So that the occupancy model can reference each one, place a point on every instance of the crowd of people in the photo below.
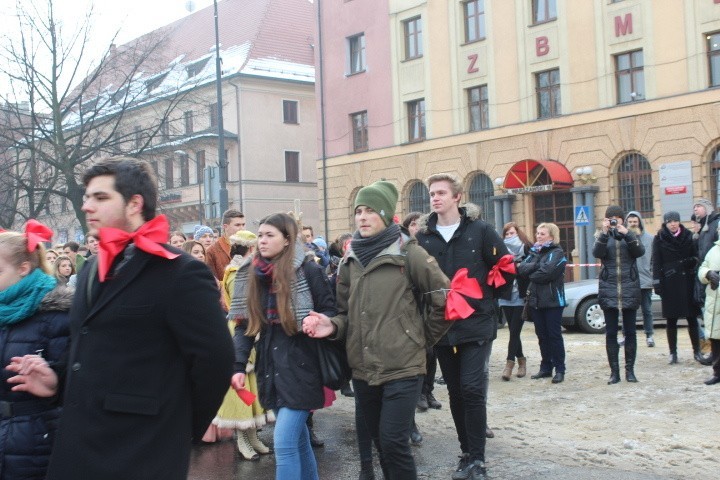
(121, 352)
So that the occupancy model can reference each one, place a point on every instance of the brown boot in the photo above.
(522, 367)
(507, 371)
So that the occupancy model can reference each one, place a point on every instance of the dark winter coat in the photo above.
(150, 361)
(26, 439)
(287, 367)
(704, 241)
(475, 245)
(674, 264)
(545, 270)
(619, 281)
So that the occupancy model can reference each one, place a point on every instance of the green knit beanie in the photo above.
(382, 197)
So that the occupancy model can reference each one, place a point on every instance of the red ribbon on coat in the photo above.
(505, 264)
(456, 307)
(147, 238)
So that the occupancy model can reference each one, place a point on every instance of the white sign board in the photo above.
(676, 191)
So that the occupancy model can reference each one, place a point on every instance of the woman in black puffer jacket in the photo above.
(619, 288)
(34, 321)
(544, 267)
(674, 259)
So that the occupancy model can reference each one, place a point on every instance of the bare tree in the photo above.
(71, 110)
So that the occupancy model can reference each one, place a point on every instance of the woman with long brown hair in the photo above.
(274, 292)
(519, 246)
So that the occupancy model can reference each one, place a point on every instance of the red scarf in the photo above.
(147, 238)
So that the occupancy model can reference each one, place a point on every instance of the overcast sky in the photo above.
(131, 18)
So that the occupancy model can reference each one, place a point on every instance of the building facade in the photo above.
(548, 110)
(268, 115)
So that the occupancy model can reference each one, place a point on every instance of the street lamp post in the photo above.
(222, 161)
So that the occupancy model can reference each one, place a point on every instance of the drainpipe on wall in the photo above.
(239, 150)
(322, 119)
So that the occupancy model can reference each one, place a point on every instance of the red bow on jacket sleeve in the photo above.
(505, 264)
(456, 307)
(147, 238)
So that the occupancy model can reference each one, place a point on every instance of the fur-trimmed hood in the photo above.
(58, 299)
(469, 210)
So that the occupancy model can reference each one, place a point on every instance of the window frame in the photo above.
(200, 166)
(547, 5)
(553, 92)
(482, 196)
(478, 23)
(412, 116)
(360, 141)
(482, 105)
(356, 53)
(413, 38)
(288, 158)
(213, 112)
(290, 115)
(189, 124)
(636, 75)
(417, 202)
(632, 178)
(713, 55)
(184, 170)
(169, 172)
(715, 175)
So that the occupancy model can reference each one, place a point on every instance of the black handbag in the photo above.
(334, 368)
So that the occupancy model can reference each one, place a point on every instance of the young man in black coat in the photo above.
(457, 238)
(150, 355)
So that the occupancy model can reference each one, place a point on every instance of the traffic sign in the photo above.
(582, 215)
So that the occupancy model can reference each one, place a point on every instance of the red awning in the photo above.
(530, 173)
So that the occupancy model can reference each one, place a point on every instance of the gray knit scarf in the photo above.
(366, 249)
(302, 301)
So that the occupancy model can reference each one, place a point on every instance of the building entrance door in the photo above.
(557, 207)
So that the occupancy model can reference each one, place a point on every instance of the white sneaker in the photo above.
(650, 342)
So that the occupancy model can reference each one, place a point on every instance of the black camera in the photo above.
(613, 222)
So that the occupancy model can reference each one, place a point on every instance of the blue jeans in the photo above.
(465, 370)
(646, 305)
(294, 458)
(388, 411)
(548, 328)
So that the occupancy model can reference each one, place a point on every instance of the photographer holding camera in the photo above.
(619, 288)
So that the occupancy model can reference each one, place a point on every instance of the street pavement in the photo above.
(435, 458)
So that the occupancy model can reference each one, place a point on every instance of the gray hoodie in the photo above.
(644, 263)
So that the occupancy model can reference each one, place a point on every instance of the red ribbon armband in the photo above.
(456, 307)
(505, 264)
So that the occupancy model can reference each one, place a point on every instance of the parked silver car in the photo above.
(583, 311)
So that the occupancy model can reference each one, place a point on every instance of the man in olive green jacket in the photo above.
(379, 320)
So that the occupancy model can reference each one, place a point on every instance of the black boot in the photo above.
(672, 344)
(630, 352)
(366, 471)
(314, 440)
(613, 349)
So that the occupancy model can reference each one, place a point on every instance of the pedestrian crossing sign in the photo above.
(582, 215)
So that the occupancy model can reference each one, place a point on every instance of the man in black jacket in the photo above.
(457, 238)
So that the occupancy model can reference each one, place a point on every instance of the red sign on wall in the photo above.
(542, 46)
(675, 190)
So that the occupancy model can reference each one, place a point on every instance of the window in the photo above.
(715, 175)
(213, 107)
(164, 130)
(419, 198)
(630, 76)
(413, 38)
(138, 137)
(474, 20)
(544, 11)
(290, 111)
(184, 170)
(547, 86)
(292, 167)
(200, 165)
(359, 123)
(416, 120)
(196, 67)
(356, 53)
(479, 193)
(635, 184)
(169, 173)
(189, 122)
(713, 51)
(478, 108)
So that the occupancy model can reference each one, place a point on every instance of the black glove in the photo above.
(658, 290)
(714, 279)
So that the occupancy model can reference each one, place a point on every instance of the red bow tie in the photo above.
(147, 238)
